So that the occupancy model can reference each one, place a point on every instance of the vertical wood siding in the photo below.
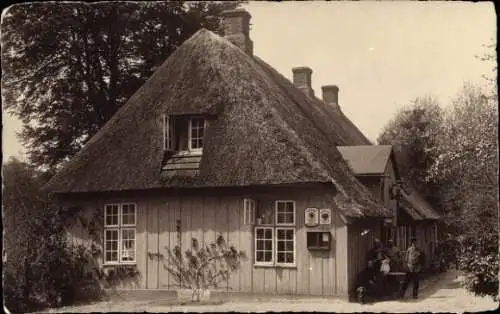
(203, 217)
(359, 246)
(152, 244)
(174, 214)
(234, 239)
(163, 241)
(342, 267)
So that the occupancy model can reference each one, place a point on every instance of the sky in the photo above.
(381, 54)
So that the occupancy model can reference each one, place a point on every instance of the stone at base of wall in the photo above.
(223, 295)
(187, 295)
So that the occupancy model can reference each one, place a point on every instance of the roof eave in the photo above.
(370, 174)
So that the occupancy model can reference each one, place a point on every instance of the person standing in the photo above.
(394, 254)
(366, 283)
(414, 263)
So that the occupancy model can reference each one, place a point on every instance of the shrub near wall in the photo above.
(50, 272)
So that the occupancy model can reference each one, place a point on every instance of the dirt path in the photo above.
(442, 295)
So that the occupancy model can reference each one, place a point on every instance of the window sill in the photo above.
(318, 248)
(292, 266)
(188, 153)
(114, 264)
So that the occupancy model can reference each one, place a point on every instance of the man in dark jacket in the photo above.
(365, 286)
(413, 263)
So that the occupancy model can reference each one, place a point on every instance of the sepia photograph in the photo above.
(250, 156)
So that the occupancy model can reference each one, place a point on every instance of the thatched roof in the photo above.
(366, 159)
(265, 131)
(414, 202)
(347, 130)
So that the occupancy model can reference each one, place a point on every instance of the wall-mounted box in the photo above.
(319, 240)
(325, 216)
(311, 218)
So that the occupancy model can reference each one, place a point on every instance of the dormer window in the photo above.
(196, 132)
(184, 133)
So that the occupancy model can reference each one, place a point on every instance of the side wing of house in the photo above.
(425, 228)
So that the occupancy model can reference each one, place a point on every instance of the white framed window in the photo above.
(111, 215)
(128, 214)
(285, 246)
(285, 212)
(248, 211)
(168, 132)
(275, 242)
(196, 133)
(264, 246)
(120, 233)
(111, 245)
(127, 245)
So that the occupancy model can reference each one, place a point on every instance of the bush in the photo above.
(51, 272)
(479, 260)
(40, 267)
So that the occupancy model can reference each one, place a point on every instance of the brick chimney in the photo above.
(302, 80)
(236, 27)
(331, 95)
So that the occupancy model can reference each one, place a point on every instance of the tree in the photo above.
(467, 170)
(414, 133)
(68, 67)
(490, 57)
(467, 162)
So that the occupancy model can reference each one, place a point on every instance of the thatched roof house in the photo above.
(259, 122)
(218, 142)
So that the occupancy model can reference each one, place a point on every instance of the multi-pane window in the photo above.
(128, 245)
(275, 242)
(111, 214)
(111, 245)
(264, 238)
(285, 248)
(183, 133)
(285, 212)
(196, 132)
(119, 233)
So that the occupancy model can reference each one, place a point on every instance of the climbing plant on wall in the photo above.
(202, 266)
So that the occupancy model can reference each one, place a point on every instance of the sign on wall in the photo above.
(325, 216)
(311, 217)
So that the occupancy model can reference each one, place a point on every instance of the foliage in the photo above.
(50, 272)
(414, 133)
(490, 57)
(467, 163)
(480, 261)
(68, 67)
(202, 267)
(453, 154)
(467, 170)
(40, 267)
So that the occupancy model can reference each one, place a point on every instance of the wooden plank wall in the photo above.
(203, 217)
(358, 248)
